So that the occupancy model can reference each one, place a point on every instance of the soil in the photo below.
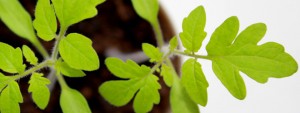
(116, 25)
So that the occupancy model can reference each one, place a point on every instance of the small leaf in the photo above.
(77, 51)
(152, 52)
(3, 81)
(194, 81)
(45, 20)
(72, 101)
(173, 43)
(29, 55)
(10, 98)
(11, 60)
(193, 29)
(66, 70)
(38, 88)
(147, 9)
(167, 73)
(17, 19)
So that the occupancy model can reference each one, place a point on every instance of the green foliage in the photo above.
(152, 52)
(77, 51)
(45, 20)
(72, 101)
(38, 88)
(173, 43)
(29, 55)
(10, 98)
(140, 81)
(66, 70)
(3, 80)
(167, 73)
(147, 9)
(11, 59)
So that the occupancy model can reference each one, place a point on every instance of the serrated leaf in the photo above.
(17, 19)
(181, 101)
(10, 98)
(40, 91)
(29, 55)
(194, 81)
(140, 79)
(193, 30)
(173, 43)
(72, 101)
(147, 9)
(11, 59)
(77, 51)
(167, 74)
(152, 52)
(231, 54)
(70, 12)
(45, 20)
(66, 70)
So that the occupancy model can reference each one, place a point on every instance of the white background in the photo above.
(283, 20)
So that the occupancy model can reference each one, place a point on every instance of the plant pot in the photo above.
(116, 26)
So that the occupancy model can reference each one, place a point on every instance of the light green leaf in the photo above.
(38, 88)
(11, 59)
(147, 9)
(180, 100)
(70, 12)
(66, 70)
(173, 43)
(29, 55)
(231, 53)
(72, 101)
(193, 30)
(17, 19)
(45, 20)
(194, 81)
(10, 98)
(3, 81)
(77, 51)
(97, 2)
(167, 73)
(152, 52)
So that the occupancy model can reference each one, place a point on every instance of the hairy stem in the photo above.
(58, 39)
(192, 55)
(37, 44)
(61, 81)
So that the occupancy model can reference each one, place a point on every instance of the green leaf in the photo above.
(173, 43)
(70, 12)
(3, 81)
(147, 9)
(11, 59)
(180, 100)
(10, 98)
(193, 29)
(29, 55)
(152, 52)
(194, 81)
(72, 101)
(17, 19)
(141, 82)
(231, 53)
(38, 88)
(45, 20)
(167, 73)
(77, 51)
(66, 70)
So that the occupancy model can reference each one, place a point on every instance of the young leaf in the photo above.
(38, 88)
(77, 51)
(193, 29)
(231, 54)
(3, 81)
(173, 43)
(140, 79)
(10, 98)
(66, 70)
(70, 12)
(72, 101)
(45, 20)
(17, 19)
(152, 52)
(167, 73)
(11, 59)
(29, 55)
(147, 9)
(194, 81)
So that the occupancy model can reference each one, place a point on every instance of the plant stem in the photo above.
(58, 39)
(37, 44)
(158, 34)
(192, 55)
(61, 81)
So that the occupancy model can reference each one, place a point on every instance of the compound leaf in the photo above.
(72, 101)
(77, 51)
(193, 30)
(10, 98)
(231, 53)
(152, 52)
(66, 70)
(11, 59)
(29, 55)
(194, 81)
(167, 74)
(147, 9)
(38, 88)
(45, 20)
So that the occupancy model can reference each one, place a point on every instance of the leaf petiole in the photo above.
(192, 55)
